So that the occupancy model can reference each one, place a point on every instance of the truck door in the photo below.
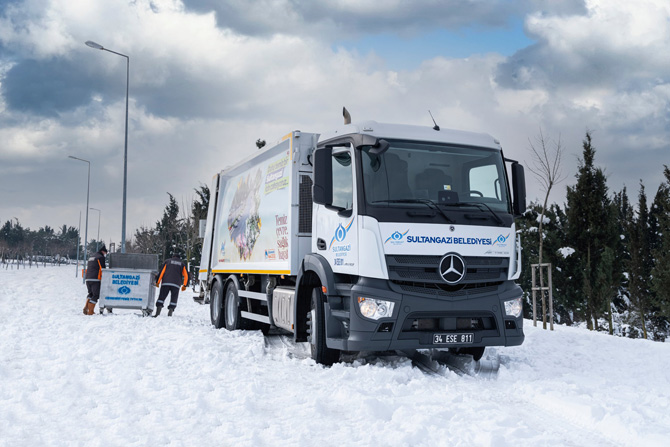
(336, 232)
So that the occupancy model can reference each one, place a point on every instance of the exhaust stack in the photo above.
(347, 117)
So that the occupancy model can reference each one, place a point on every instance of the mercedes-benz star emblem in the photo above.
(452, 268)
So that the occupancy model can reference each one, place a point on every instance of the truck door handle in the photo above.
(320, 244)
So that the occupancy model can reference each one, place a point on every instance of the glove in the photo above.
(183, 288)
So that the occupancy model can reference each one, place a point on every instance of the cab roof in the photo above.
(414, 133)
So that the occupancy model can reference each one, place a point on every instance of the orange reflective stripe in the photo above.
(99, 270)
(160, 277)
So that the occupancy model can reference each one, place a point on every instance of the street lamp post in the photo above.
(76, 273)
(97, 46)
(97, 239)
(88, 190)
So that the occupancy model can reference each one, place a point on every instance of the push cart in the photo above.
(129, 283)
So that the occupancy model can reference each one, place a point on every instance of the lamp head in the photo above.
(92, 44)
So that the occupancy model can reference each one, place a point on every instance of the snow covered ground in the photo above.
(122, 380)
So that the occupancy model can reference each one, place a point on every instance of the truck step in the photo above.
(342, 314)
(255, 317)
(253, 295)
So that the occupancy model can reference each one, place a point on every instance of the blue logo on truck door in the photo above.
(396, 237)
(341, 233)
(501, 241)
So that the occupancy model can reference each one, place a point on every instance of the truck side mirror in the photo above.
(380, 147)
(322, 188)
(519, 185)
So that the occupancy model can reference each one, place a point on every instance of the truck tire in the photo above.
(476, 353)
(232, 308)
(216, 313)
(321, 353)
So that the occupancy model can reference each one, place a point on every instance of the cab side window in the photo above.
(343, 181)
(485, 182)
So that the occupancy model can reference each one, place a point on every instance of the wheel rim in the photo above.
(230, 308)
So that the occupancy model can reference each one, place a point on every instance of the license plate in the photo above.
(453, 339)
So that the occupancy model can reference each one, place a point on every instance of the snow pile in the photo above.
(566, 251)
(122, 380)
(545, 220)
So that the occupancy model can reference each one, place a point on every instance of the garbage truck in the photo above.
(369, 237)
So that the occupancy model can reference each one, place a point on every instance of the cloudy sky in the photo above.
(210, 77)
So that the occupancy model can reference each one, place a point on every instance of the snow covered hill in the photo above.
(123, 380)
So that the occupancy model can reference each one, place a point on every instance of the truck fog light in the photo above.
(375, 309)
(514, 307)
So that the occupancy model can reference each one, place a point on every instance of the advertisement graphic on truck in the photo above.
(255, 227)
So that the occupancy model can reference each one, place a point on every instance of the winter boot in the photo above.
(86, 307)
(158, 311)
(170, 312)
(90, 308)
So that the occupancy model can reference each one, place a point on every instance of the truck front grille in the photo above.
(437, 291)
(420, 275)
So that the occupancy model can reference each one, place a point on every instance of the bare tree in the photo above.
(547, 156)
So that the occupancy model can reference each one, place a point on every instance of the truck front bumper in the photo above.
(457, 320)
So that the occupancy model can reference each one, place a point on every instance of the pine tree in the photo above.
(639, 267)
(199, 209)
(146, 240)
(68, 239)
(527, 226)
(661, 255)
(624, 214)
(201, 205)
(556, 252)
(168, 230)
(591, 229)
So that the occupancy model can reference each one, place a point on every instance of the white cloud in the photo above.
(202, 93)
(616, 41)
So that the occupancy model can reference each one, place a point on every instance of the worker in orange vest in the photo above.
(93, 276)
(172, 276)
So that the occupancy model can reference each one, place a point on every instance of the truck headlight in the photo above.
(374, 308)
(514, 307)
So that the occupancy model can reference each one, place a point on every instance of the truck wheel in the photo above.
(321, 353)
(476, 353)
(216, 305)
(232, 303)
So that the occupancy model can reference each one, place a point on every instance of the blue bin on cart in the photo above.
(129, 282)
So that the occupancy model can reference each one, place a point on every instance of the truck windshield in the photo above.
(451, 177)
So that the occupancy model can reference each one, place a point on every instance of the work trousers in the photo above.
(93, 290)
(174, 295)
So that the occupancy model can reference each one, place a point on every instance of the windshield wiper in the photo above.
(427, 202)
(479, 205)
